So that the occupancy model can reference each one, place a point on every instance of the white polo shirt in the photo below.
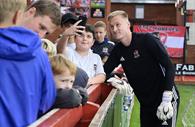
(91, 63)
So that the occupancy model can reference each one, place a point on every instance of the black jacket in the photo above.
(147, 66)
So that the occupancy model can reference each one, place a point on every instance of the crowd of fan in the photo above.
(32, 87)
(38, 75)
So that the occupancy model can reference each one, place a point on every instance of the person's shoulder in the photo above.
(24, 31)
(146, 34)
(69, 51)
(141, 36)
(118, 46)
(94, 55)
(138, 35)
(81, 78)
(150, 37)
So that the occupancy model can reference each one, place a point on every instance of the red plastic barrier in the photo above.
(76, 117)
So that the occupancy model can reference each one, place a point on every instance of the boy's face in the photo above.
(40, 24)
(85, 41)
(64, 80)
(100, 34)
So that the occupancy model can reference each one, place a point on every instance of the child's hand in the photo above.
(74, 29)
(83, 94)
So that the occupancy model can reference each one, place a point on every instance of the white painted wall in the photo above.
(191, 40)
(190, 5)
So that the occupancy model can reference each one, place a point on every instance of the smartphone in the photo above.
(84, 20)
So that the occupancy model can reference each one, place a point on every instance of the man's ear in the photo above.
(31, 12)
(14, 20)
(129, 24)
(17, 17)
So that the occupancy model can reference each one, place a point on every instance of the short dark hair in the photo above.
(90, 28)
(47, 8)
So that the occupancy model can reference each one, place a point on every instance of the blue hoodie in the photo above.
(27, 87)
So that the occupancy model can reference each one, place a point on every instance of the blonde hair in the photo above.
(116, 13)
(9, 7)
(60, 65)
(49, 47)
(100, 24)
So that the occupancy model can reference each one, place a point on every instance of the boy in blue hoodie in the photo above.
(27, 87)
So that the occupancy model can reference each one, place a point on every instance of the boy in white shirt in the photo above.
(84, 58)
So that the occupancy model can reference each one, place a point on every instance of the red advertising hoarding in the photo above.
(172, 37)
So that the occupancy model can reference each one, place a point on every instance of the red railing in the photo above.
(76, 117)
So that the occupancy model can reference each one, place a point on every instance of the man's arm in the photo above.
(62, 43)
(159, 52)
(100, 78)
(113, 61)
